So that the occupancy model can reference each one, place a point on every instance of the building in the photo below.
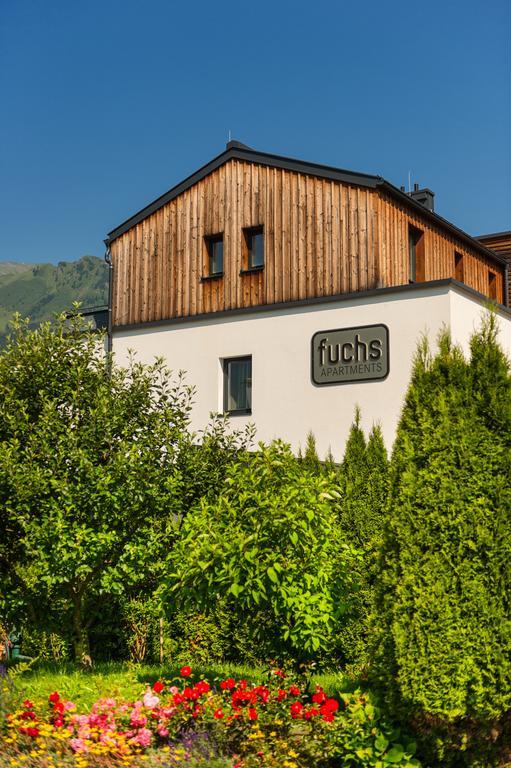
(291, 292)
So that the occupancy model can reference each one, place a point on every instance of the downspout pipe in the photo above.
(108, 260)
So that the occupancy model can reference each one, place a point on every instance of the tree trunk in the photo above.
(80, 635)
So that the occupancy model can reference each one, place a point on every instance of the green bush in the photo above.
(442, 640)
(270, 546)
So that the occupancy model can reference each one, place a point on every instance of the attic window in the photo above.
(215, 249)
(492, 285)
(416, 254)
(459, 267)
(253, 247)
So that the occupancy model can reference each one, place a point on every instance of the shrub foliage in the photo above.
(443, 627)
(272, 546)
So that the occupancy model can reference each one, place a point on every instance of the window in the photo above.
(459, 270)
(254, 248)
(492, 285)
(416, 254)
(215, 248)
(238, 385)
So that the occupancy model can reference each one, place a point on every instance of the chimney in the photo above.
(423, 196)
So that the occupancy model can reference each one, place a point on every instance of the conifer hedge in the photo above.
(442, 639)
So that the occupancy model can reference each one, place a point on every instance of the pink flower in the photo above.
(143, 737)
(68, 706)
(162, 731)
(137, 720)
(150, 700)
(77, 745)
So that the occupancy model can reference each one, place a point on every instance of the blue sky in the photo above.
(106, 105)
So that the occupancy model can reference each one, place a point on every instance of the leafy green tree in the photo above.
(442, 639)
(93, 460)
(270, 546)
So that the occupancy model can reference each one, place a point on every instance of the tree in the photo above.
(363, 493)
(271, 547)
(311, 460)
(93, 459)
(442, 643)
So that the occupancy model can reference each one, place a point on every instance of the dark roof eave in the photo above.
(493, 235)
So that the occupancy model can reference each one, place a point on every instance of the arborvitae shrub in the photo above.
(442, 640)
(310, 459)
(363, 486)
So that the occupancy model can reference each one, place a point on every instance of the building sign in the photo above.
(344, 355)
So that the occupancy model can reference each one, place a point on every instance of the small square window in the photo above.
(215, 246)
(459, 268)
(415, 254)
(492, 285)
(254, 239)
(238, 385)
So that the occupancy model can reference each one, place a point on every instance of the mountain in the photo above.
(39, 290)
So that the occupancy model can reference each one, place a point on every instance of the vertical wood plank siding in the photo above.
(501, 244)
(321, 238)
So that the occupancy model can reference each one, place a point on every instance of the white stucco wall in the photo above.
(285, 403)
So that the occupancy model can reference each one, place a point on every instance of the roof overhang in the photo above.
(237, 151)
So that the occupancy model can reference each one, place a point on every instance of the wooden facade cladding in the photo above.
(500, 243)
(321, 238)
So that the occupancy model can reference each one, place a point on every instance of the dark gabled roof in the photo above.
(237, 151)
(493, 235)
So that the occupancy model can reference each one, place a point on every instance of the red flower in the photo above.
(279, 673)
(296, 709)
(329, 707)
(320, 696)
(192, 694)
(58, 722)
(186, 671)
(252, 713)
(281, 695)
(218, 714)
(202, 687)
(28, 704)
(158, 687)
(54, 697)
(228, 685)
(58, 706)
(294, 690)
(33, 732)
(28, 715)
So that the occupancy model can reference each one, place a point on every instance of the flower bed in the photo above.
(227, 723)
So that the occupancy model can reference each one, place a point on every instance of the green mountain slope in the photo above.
(39, 290)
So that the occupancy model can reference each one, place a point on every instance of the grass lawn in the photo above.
(127, 681)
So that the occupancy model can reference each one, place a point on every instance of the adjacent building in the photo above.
(291, 292)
